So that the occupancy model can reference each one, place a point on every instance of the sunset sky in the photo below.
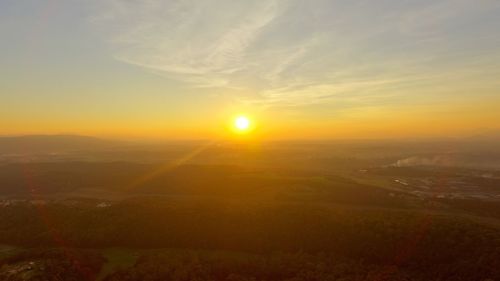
(184, 69)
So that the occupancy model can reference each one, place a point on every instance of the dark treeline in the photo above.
(414, 241)
(52, 265)
(223, 181)
(286, 267)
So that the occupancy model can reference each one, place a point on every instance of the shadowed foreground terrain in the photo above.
(335, 212)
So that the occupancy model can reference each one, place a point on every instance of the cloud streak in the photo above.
(293, 52)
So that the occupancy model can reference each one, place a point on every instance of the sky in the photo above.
(299, 69)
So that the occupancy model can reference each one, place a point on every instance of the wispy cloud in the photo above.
(293, 52)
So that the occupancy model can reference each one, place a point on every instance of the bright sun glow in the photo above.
(242, 123)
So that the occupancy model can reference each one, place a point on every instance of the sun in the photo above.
(242, 123)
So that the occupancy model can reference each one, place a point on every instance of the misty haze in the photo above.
(236, 140)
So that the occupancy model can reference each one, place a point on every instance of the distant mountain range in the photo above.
(46, 144)
(488, 136)
(53, 143)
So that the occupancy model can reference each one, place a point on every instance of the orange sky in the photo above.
(314, 69)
